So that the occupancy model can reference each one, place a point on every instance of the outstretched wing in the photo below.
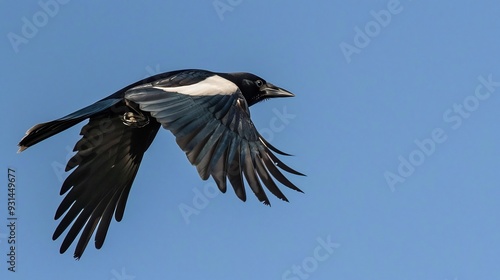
(107, 160)
(211, 123)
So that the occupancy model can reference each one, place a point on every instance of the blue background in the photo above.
(355, 119)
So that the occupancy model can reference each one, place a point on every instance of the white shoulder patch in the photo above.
(214, 85)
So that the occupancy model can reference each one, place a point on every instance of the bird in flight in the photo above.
(208, 114)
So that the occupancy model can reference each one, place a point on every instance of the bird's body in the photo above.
(208, 114)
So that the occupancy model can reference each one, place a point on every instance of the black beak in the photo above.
(274, 91)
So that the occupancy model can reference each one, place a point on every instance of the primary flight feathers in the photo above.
(208, 114)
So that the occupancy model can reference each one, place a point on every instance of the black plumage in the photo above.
(208, 114)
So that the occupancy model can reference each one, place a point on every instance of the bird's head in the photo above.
(256, 89)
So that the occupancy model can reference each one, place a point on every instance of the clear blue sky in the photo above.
(395, 122)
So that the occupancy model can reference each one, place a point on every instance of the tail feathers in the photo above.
(43, 131)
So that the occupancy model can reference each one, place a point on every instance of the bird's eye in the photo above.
(259, 83)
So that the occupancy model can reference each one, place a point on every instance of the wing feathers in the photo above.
(249, 172)
(104, 167)
(217, 135)
(235, 178)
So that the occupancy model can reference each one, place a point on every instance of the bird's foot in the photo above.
(134, 120)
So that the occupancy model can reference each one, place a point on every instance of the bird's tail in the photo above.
(43, 131)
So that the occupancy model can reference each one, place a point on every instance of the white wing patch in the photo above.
(213, 85)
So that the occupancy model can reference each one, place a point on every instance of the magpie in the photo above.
(207, 112)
